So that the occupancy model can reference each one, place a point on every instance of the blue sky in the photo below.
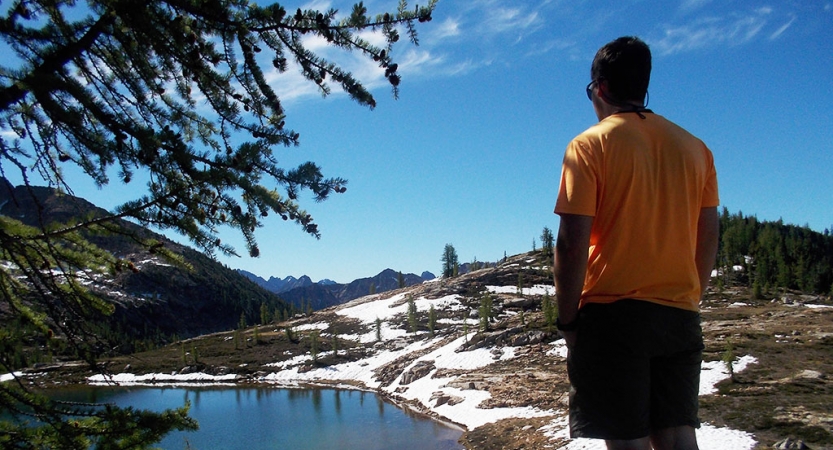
(470, 153)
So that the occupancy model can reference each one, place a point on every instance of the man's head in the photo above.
(625, 66)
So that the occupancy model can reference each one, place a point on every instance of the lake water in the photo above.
(273, 418)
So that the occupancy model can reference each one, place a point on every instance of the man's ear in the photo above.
(604, 90)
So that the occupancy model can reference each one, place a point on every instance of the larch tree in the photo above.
(176, 92)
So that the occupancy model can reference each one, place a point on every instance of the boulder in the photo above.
(419, 370)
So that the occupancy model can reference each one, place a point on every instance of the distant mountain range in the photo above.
(289, 283)
(303, 292)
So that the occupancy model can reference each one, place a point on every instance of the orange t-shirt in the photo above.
(644, 181)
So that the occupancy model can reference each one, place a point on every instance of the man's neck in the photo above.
(604, 109)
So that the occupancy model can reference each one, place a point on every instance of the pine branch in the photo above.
(53, 63)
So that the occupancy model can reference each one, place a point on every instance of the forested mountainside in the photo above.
(155, 300)
(772, 256)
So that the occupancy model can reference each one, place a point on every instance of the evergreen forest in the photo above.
(771, 256)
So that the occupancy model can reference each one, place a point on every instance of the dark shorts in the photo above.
(635, 368)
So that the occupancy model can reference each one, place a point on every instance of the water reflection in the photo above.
(380, 405)
(271, 418)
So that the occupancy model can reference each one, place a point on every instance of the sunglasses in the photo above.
(589, 89)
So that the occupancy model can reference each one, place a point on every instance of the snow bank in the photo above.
(467, 412)
(127, 379)
(713, 372)
(388, 308)
(538, 289)
(9, 376)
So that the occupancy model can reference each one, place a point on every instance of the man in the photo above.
(635, 248)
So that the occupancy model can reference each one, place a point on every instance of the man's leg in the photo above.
(610, 380)
(632, 444)
(675, 438)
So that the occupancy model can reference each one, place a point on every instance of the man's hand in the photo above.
(569, 338)
(569, 267)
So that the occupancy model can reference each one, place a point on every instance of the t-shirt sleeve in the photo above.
(579, 181)
(710, 194)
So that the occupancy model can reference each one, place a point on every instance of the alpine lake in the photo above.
(261, 418)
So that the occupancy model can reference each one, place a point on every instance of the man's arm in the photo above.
(570, 265)
(708, 235)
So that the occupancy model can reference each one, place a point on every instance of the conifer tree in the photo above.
(412, 314)
(450, 261)
(432, 320)
(520, 284)
(290, 334)
(547, 242)
(176, 93)
(335, 344)
(550, 310)
(265, 318)
(313, 345)
(486, 311)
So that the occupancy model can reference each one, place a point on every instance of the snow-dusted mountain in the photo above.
(302, 292)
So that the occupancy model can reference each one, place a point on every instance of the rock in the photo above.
(420, 369)
(490, 339)
(397, 344)
(528, 338)
(810, 375)
(519, 302)
(441, 398)
(791, 444)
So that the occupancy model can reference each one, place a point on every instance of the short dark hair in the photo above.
(625, 63)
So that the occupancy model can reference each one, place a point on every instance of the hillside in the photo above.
(156, 302)
(506, 385)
